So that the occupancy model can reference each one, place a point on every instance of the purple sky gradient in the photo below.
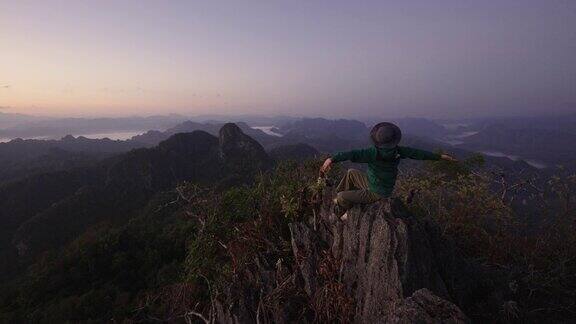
(451, 58)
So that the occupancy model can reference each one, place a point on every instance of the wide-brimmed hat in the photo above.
(385, 135)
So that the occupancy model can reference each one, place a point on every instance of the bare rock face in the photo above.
(386, 255)
(390, 268)
(235, 145)
(373, 253)
(242, 154)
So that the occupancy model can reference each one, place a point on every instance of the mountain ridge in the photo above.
(132, 178)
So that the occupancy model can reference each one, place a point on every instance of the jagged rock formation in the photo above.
(390, 267)
(241, 153)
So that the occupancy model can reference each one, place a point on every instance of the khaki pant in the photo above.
(353, 189)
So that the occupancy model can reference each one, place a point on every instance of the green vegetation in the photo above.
(190, 244)
(524, 232)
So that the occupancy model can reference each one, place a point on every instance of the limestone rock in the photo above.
(391, 267)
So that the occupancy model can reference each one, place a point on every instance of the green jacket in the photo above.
(383, 164)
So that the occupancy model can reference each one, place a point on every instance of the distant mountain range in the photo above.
(565, 123)
(541, 140)
(505, 144)
(20, 150)
(25, 126)
(20, 158)
(549, 146)
(47, 210)
(28, 127)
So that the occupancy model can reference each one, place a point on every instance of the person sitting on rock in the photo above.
(382, 159)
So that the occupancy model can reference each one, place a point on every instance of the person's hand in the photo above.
(447, 157)
(326, 166)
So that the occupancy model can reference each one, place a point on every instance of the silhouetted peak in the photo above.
(233, 138)
(194, 142)
(230, 132)
(241, 150)
(68, 138)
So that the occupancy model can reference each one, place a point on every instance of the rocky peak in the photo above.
(230, 132)
(391, 265)
(241, 150)
(392, 268)
(232, 138)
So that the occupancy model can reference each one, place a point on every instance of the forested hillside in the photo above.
(211, 228)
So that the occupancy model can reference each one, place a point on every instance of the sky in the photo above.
(333, 58)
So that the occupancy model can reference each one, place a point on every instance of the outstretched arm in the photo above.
(359, 156)
(416, 154)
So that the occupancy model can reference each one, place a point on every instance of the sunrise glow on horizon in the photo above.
(433, 58)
